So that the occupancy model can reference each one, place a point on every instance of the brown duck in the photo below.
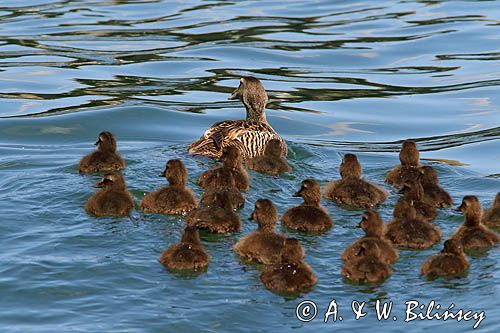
(409, 157)
(491, 217)
(105, 158)
(366, 266)
(271, 162)
(173, 199)
(310, 216)
(413, 191)
(450, 262)
(223, 182)
(434, 194)
(351, 189)
(189, 254)
(112, 199)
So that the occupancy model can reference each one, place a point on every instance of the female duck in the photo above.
(189, 254)
(352, 190)
(310, 216)
(450, 262)
(218, 218)
(473, 235)
(434, 194)
(373, 227)
(232, 161)
(271, 162)
(491, 217)
(366, 266)
(409, 167)
(248, 136)
(105, 158)
(292, 274)
(173, 199)
(223, 182)
(112, 199)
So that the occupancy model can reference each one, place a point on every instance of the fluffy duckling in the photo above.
(491, 217)
(409, 156)
(218, 218)
(410, 231)
(292, 274)
(352, 190)
(271, 162)
(112, 199)
(366, 266)
(249, 136)
(231, 160)
(189, 254)
(104, 159)
(450, 262)
(173, 199)
(223, 181)
(310, 216)
(413, 191)
(263, 245)
(434, 194)
(373, 226)
(473, 235)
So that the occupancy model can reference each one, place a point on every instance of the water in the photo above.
(357, 76)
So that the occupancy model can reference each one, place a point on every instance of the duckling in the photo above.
(413, 191)
(248, 136)
(450, 262)
(410, 231)
(352, 190)
(264, 245)
(373, 227)
(218, 218)
(473, 235)
(491, 217)
(310, 216)
(232, 160)
(173, 199)
(292, 274)
(409, 167)
(112, 199)
(104, 159)
(189, 254)
(223, 181)
(434, 194)
(366, 266)
(271, 162)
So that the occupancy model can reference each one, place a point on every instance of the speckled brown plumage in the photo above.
(189, 254)
(271, 162)
(450, 262)
(112, 199)
(105, 158)
(491, 217)
(223, 182)
(413, 191)
(409, 156)
(434, 194)
(366, 266)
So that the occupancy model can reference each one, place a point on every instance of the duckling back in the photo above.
(271, 162)
(450, 262)
(491, 217)
(189, 254)
(104, 159)
(218, 218)
(112, 199)
(366, 266)
(223, 182)
(409, 157)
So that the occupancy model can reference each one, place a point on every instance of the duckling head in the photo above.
(412, 190)
(191, 235)
(231, 157)
(106, 142)
(266, 214)
(350, 167)
(372, 224)
(273, 148)
(404, 210)
(222, 200)
(368, 249)
(223, 179)
(292, 251)
(409, 154)
(452, 246)
(496, 202)
(175, 172)
(253, 95)
(113, 181)
(428, 175)
(310, 191)
(472, 210)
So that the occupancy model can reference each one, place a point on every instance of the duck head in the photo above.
(310, 191)
(350, 167)
(266, 214)
(472, 210)
(452, 246)
(253, 95)
(428, 176)
(113, 181)
(292, 251)
(368, 249)
(191, 236)
(409, 154)
(231, 157)
(273, 148)
(372, 224)
(412, 190)
(106, 142)
(404, 210)
(496, 202)
(175, 172)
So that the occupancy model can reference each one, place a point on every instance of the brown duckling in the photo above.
(189, 254)
(263, 245)
(310, 216)
(173, 199)
(352, 190)
(413, 191)
(223, 181)
(366, 266)
(373, 226)
(218, 218)
(491, 217)
(434, 194)
(104, 159)
(292, 274)
(112, 199)
(271, 162)
(450, 262)
(409, 156)
(232, 160)
(473, 235)
(410, 231)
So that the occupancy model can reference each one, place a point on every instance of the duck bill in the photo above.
(163, 173)
(459, 208)
(297, 194)
(98, 142)
(251, 218)
(358, 225)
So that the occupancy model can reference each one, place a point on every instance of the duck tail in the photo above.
(205, 147)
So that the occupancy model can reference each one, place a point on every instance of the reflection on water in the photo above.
(342, 76)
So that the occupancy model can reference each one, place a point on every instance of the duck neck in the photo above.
(266, 227)
(256, 115)
(472, 219)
